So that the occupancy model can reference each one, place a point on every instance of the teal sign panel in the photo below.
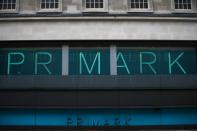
(98, 117)
(155, 61)
(89, 61)
(31, 61)
(96, 61)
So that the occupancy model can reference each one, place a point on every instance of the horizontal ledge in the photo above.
(101, 39)
(158, 82)
(98, 18)
(97, 107)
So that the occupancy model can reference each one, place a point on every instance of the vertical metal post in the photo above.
(65, 60)
(113, 61)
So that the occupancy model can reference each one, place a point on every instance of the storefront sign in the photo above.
(27, 61)
(98, 117)
(98, 61)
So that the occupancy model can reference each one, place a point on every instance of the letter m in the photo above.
(90, 67)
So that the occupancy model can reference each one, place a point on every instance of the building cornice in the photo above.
(99, 18)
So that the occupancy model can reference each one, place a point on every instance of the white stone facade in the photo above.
(98, 28)
(161, 23)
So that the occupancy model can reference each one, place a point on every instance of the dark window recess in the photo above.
(49, 4)
(138, 4)
(56, 5)
(183, 4)
(7, 4)
(94, 3)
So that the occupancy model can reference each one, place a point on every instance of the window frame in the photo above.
(192, 10)
(149, 9)
(59, 9)
(11, 10)
(104, 9)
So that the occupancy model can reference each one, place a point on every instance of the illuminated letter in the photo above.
(82, 58)
(95, 122)
(69, 121)
(14, 63)
(171, 63)
(120, 55)
(42, 63)
(79, 121)
(147, 63)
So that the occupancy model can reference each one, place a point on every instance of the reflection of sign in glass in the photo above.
(98, 117)
(97, 61)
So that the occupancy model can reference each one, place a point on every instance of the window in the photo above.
(94, 4)
(50, 4)
(183, 4)
(7, 4)
(138, 4)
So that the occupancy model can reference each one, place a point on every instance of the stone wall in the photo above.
(98, 28)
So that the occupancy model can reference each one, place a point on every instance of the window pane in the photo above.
(101, 5)
(176, 1)
(185, 6)
(176, 6)
(180, 6)
(132, 5)
(146, 5)
(9, 6)
(13, 6)
(43, 5)
(5, 6)
(92, 5)
(141, 5)
(96, 5)
(87, 5)
(51, 5)
(184, 1)
(47, 5)
(189, 6)
(56, 5)
(137, 5)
